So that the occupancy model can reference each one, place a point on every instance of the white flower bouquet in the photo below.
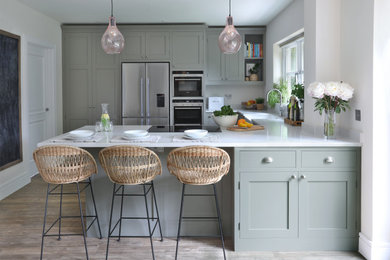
(332, 97)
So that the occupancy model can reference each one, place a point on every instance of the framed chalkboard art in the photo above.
(10, 107)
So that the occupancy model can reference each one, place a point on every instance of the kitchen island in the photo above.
(288, 188)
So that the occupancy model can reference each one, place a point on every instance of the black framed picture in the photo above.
(10, 101)
(248, 67)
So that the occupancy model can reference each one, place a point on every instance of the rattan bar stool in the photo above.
(59, 165)
(199, 165)
(131, 165)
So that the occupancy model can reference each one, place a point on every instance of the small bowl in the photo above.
(195, 133)
(79, 134)
(225, 121)
(135, 133)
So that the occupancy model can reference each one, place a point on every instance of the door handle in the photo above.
(47, 109)
(267, 160)
(147, 97)
(142, 96)
(329, 160)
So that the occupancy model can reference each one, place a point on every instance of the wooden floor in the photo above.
(21, 216)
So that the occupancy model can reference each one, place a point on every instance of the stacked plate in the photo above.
(79, 134)
(195, 133)
(135, 134)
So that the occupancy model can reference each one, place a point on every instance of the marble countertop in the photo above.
(275, 134)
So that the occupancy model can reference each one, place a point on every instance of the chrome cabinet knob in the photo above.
(303, 176)
(293, 177)
(329, 160)
(267, 160)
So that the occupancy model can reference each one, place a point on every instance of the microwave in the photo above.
(187, 83)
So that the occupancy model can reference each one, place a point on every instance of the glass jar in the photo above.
(329, 123)
(105, 118)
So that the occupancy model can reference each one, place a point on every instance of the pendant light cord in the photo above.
(230, 7)
(112, 8)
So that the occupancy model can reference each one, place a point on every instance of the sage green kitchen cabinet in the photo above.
(296, 198)
(149, 45)
(223, 67)
(188, 50)
(77, 77)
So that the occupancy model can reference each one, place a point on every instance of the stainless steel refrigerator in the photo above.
(145, 93)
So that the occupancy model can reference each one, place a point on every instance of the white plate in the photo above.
(79, 134)
(135, 133)
(135, 138)
(195, 133)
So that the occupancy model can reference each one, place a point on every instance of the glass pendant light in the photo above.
(112, 40)
(229, 41)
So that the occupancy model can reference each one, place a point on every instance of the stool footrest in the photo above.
(199, 217)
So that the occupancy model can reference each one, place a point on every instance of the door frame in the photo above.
(51, 86)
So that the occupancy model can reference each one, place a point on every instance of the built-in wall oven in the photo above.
(187, 83)
(187, 112)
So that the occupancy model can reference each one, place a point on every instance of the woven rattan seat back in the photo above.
(64, 164)
(131, 165)
(198, 165)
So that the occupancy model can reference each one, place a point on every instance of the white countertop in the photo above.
(275, 134)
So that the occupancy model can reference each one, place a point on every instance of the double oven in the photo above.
(187, 99)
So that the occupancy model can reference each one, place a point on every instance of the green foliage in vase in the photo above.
(329, 103)
(298, 91)
(259, 100)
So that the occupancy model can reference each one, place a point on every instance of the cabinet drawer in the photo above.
(267, 159)
(329, 159)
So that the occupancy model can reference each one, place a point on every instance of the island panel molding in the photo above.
(10, 101)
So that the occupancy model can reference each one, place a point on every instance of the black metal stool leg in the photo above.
(158, 216)
(148, 218)
(82, 220)
(60, 217)
(94, 206)
(219, 221)
(120, 215)
(180, 217)
(44, 219)
(109, 225)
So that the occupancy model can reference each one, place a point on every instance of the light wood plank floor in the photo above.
(21, 216)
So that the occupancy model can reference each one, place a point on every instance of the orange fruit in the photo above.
(241, 121)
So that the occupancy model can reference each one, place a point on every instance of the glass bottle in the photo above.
(105, 118)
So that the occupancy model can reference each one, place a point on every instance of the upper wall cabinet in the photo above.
(188, 50)
(150, 45)
(225, 69)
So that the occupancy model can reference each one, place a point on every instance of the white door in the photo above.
(41, 83)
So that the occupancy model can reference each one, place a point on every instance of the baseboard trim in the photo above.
(14, 184)
(373, 250)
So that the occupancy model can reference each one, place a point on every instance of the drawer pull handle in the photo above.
(329, 160)
(293, 177)
(303, 176)
(268, 160)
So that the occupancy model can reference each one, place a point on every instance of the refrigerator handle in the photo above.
(147, 97)
(142, 97)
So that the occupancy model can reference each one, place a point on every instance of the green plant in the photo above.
(259, 100)
(225, 111)
(298, 91)
(274, 95)
(255, 69)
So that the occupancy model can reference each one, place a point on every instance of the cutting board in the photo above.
(243, 129)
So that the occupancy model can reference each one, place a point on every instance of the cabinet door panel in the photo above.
(214, 58)
(134, 46)
(269, 205)
(328, 159)
(234, 65)
(327, 204)
(77, 47)
(256, 160)
(188, 50)
(157, 45)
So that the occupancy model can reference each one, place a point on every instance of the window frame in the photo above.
(299, 73)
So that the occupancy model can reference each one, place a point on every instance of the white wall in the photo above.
(357, 69)
(322, 48)
(288, 22)
(19, 19)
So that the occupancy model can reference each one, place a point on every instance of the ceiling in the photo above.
(211, 12)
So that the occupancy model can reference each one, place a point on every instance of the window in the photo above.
(292, 65)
